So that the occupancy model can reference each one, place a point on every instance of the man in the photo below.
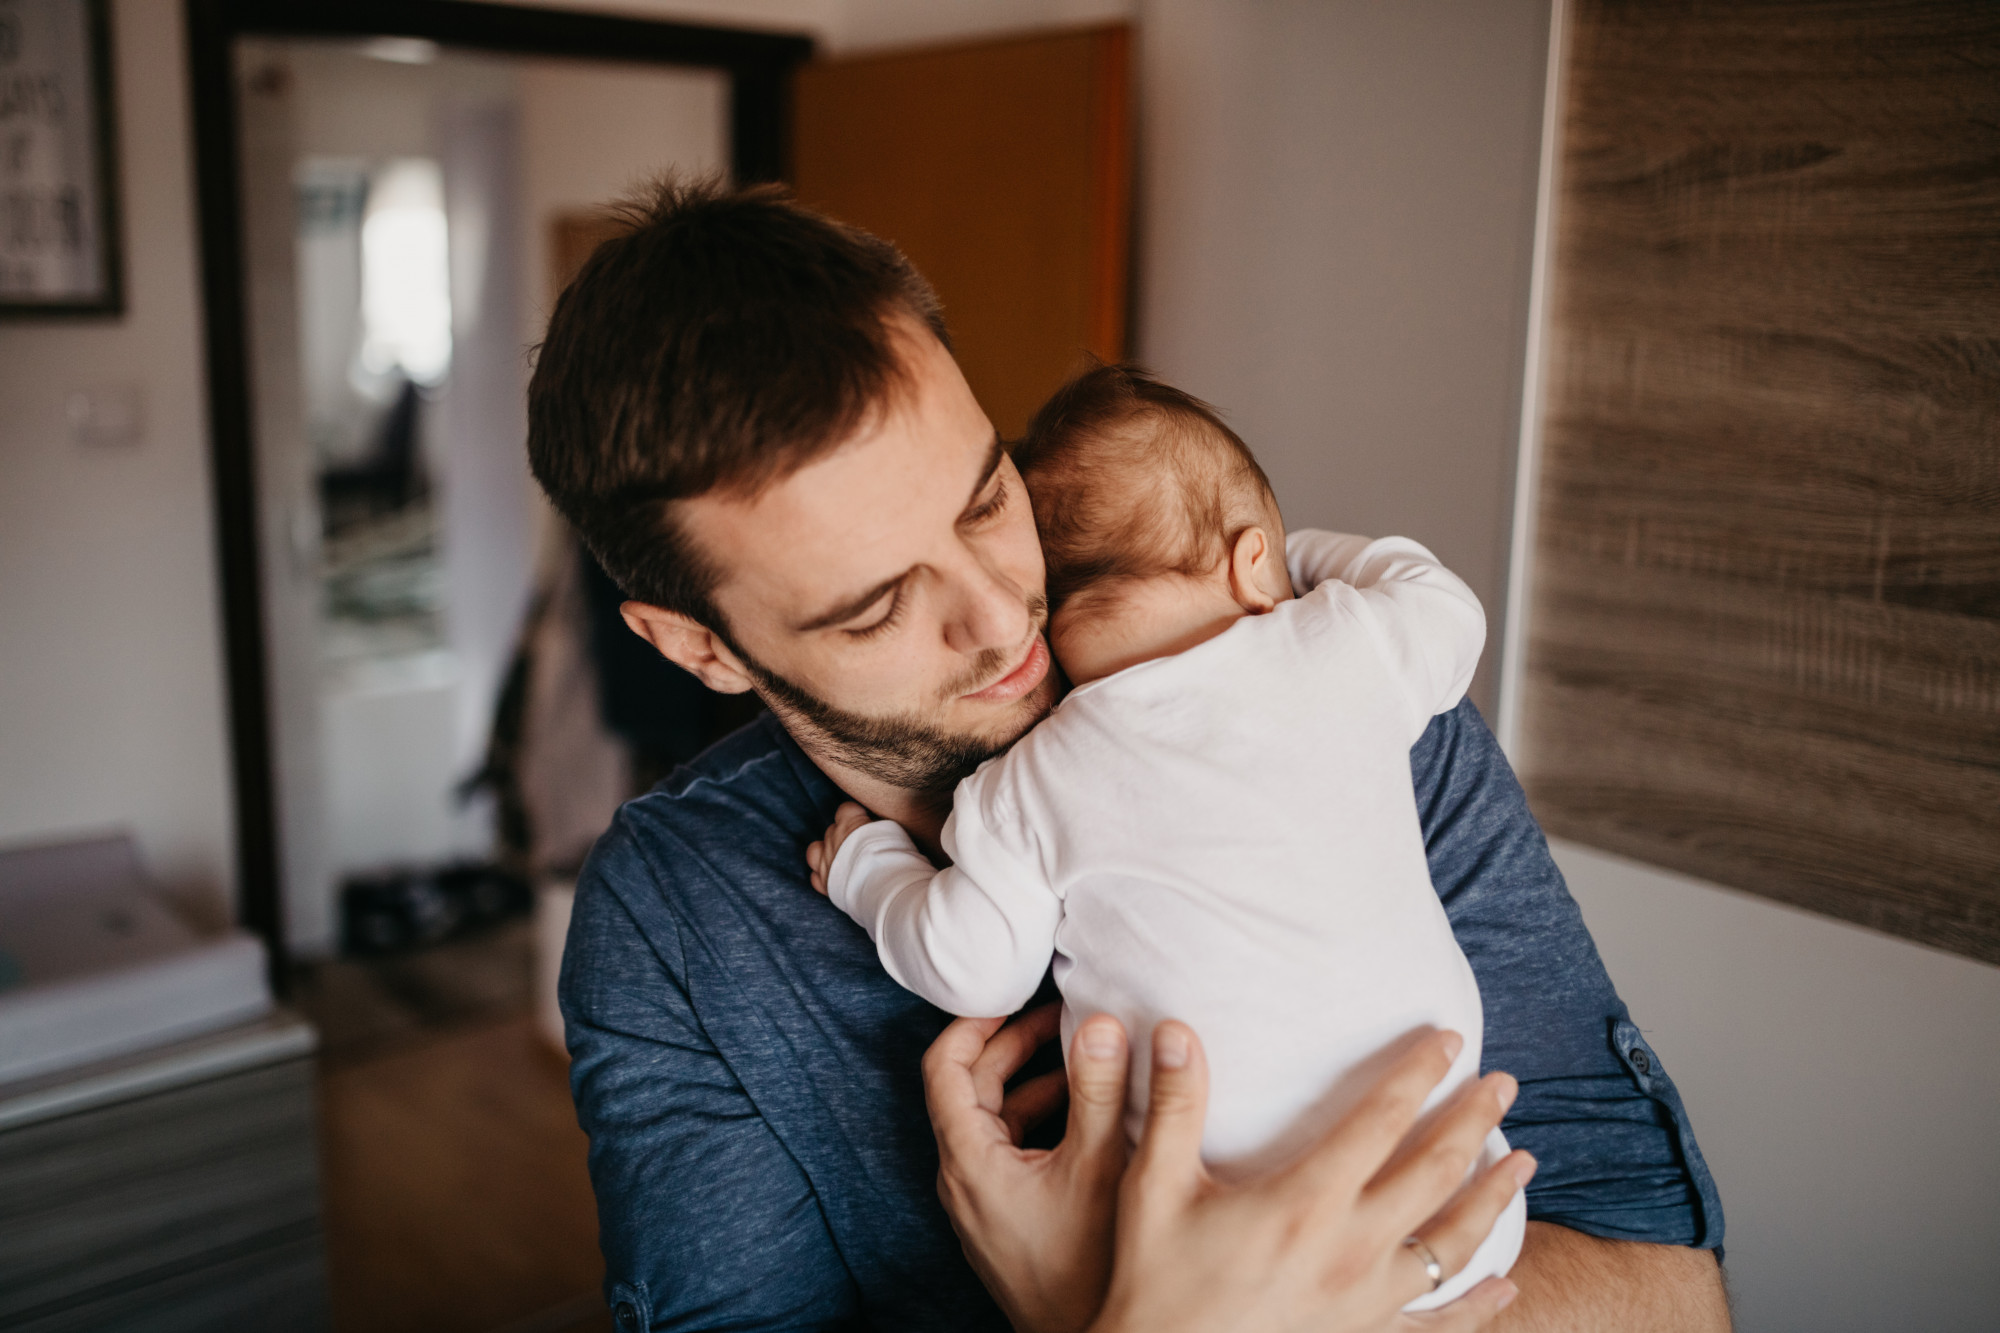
(751, 415)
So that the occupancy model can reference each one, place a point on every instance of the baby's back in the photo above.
(1235, 841)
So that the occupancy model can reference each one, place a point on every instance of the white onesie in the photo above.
(1229, 837)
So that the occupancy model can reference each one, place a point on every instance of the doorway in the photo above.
(393, 196)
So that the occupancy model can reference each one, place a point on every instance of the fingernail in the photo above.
(1102, 1041)
(1524, 1170)
(1507, 1297)
(1507, 1091)
(1170, 1047)
(1453, 1044)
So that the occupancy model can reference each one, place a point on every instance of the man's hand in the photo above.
(1318, 1245)
(819, 857)
(1035, 1224)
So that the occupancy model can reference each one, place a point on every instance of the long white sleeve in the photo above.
(974, 939)
(1428, 624)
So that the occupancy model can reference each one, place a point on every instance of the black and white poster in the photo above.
(58, 241)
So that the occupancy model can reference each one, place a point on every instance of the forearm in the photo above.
(969, 949)
(1573, 1283)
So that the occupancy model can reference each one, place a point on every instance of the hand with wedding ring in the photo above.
(1341, 1240)
(1368, 1220)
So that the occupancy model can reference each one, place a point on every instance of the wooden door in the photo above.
(1003, 170)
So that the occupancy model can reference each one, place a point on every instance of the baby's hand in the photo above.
(820, 855)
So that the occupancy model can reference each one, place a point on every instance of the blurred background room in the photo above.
(1674, 329)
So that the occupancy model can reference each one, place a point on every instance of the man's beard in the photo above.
(903, 750)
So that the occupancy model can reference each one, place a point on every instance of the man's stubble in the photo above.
(903, 750)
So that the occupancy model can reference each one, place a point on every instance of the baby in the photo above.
(1217, 823)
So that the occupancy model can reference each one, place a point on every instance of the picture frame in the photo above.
(61, 250)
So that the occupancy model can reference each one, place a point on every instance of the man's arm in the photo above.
(1623, 1203)
(705, 1220)
(1570, 1281)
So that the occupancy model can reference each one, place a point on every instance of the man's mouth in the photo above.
(1021, 679)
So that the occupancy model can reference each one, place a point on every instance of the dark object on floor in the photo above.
(403, 909)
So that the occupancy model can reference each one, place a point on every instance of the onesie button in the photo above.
(1641, 1061)
(627, 1317)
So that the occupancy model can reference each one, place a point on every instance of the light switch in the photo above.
(110, 415)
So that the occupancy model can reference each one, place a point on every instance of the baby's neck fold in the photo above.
(1139, 622)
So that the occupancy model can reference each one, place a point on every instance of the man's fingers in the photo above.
(1169, 1155)
(1431, 1167)
(1454, 1235)
(1012, 1047)
(1032, 1103)
(1099, 1061)
(1474, 1310)
(1355, 1149)
(962, 1124)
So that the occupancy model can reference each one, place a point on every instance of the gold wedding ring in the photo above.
(1432, 1268)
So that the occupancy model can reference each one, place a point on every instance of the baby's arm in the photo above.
(1428, 623)
(975, 947)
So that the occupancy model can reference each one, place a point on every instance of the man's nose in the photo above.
(992, 611)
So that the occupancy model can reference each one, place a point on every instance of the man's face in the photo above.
(888, 595)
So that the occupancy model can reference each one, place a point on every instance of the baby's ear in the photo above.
(1257, 577)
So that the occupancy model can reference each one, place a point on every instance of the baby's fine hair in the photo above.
(1132, 478)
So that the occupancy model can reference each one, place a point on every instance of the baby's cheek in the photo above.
(1062, 624)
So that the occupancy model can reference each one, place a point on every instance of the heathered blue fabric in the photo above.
(748, 1074)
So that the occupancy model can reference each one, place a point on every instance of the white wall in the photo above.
(111, 695)
(1337, 224)
(592, 132)
(1844, 1090)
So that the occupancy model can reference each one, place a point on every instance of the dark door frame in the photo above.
(759, 66)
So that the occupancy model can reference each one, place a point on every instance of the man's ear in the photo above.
(689, 645)
(1257, 572)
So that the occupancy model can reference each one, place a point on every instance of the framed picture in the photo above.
(59, 244)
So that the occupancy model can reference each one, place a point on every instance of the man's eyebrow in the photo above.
(994, 453)
(854, 606)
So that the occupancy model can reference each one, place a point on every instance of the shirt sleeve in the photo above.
(1617, 1151)
(1427, 623)
(974, 939)
(705, 1220)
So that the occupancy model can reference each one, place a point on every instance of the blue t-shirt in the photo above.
(749, 1079)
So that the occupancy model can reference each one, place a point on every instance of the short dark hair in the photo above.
(1132, 478)
(726, 340)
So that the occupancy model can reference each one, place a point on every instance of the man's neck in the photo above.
(921, 813)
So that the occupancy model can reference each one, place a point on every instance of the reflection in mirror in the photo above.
(410, 213)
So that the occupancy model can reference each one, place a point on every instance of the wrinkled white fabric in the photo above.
(1226, 836)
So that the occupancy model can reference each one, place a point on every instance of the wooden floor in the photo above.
(453, 1169)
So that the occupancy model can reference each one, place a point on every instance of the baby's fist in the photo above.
(819, 856)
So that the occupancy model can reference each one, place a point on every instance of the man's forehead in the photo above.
(865, 511)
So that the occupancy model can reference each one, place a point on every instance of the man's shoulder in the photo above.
(734, 818)
(747, 789)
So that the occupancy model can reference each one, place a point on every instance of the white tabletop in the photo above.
(279, 1035)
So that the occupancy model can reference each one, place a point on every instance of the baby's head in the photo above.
(1158, 527)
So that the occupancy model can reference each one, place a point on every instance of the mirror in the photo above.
(410, 213)
(376, 531)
